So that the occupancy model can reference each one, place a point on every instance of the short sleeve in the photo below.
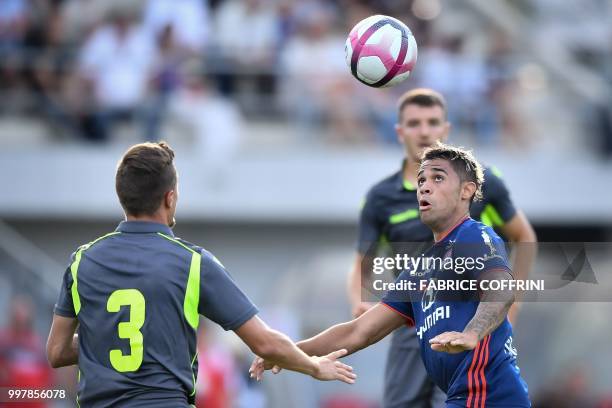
(501, 209)
(221, 300)
(399, 301)
(370, 229)
(481, 253)
(64, 306)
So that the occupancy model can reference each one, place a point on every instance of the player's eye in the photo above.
(412, 123)
(420, 181)
(439, 178)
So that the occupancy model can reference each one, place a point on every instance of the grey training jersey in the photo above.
(137, 294)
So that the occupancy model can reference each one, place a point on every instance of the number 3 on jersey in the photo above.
(128, 330)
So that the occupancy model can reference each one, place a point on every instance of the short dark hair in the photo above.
(463, 161)
(145, 173)
(422, 97)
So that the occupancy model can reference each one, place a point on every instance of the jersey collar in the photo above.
(144, 227)
(454, 227)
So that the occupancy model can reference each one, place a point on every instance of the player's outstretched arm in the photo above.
(279, 350)
(63, 344)
(367, 329)
(352, 336)
(491, 312)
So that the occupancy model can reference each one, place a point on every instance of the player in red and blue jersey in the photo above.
(488, 375)
(464, 333)
(389, 224)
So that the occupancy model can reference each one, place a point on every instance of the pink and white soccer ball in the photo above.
(381, 51)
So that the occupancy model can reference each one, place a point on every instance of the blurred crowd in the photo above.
(87, 66)
(23, 363)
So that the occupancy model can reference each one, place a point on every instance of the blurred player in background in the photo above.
(465, 337)
(390, 216)
(22, 357)
(136, 295)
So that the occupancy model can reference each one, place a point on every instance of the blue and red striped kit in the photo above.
(487, 376)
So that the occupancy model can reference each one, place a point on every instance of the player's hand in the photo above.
(329, 368)
(259, 365)
(454, 342)
(360, 308)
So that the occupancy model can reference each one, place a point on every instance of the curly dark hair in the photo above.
(463, 161)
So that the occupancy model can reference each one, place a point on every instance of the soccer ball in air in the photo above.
(380, 51)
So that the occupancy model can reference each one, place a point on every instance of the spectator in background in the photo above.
(47, 62)
(23, 364)
(250, 393)
(214, 121)
(181, 30)
(247, 36)
(80, 18)
(188, 20)
(13, 26)
(461, 76)
(571, 390)
(216, 371)
(287, 25)
(223, 374)
(318, 93)
(115, 64)
(165, 80)
(501, 64)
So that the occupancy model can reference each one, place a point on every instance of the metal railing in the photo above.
(33, 260)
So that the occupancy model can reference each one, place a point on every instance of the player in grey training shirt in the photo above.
(136, 295)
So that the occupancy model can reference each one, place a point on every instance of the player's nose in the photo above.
(424, 132)
(424, 188)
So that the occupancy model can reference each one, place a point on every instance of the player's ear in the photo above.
(398, 133)
(170, 199)
(468, 189)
